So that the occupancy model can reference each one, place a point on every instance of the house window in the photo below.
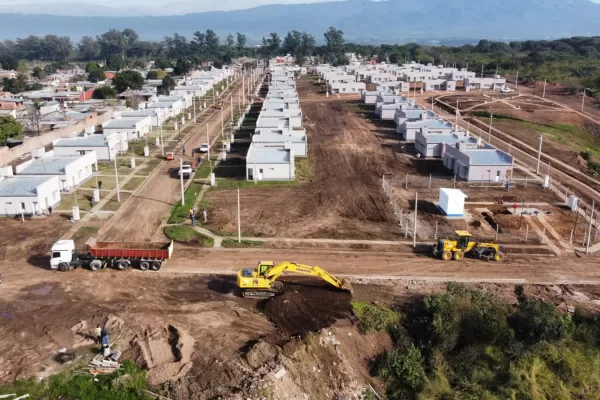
(498, 173)
(23, 206)
(81, 152)
(260, 170)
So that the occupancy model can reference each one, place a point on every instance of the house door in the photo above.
(251, 174)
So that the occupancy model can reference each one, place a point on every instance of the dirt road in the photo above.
(142, 215)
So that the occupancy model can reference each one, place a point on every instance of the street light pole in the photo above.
(162, 145)
(181, 180)
(117, 175)
(490, 130)
(537, 169)
(238, 217)
(583, 99)
(207, 142)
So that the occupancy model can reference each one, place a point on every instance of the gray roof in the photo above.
(19, 186)
(49, 165)
(140, 113)
(488, 157)
(160, 104)
(89, 141)
(124, 123)
(267, 156)
(274, 137)
(443, 138)
(437, 124)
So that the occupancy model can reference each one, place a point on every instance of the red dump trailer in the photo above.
(120, 255)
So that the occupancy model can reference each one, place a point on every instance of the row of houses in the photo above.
(402, 78)
(433, 137)
(36, 184)
(279, 136)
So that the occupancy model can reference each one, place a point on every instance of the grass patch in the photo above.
(113, 205)
(84, 233)
(226, 184)
(75, 386)
(375, 317)
(302, 169)
(137, 147)
(150, 166)
(244, 243)
(81, 198)
(133, 183)
(187, 129)
(108, 182)
(180, 213)
(186, 234)
(123, 165)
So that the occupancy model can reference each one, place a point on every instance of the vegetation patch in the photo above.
(133, 183)
(181, 213)
(375, 317)
(244, 243)
(113, 204)
(186, 234)
(126, 384)
(84, 233)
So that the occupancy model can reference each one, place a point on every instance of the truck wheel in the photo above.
(156, 265)
(278, 286)
(458, 255)
(446, 255)
(121, 265)
(144, 265)
(63, 267)
(499, 256)
(95, 265)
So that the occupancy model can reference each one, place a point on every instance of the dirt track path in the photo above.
(144, 212)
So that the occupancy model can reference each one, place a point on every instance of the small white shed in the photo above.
(452, 202)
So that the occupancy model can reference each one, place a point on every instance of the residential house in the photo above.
(275, 164)
(28, 195)
(106, 147)
(271, 139)
(486, 164)
(432, 144)
(128, 128)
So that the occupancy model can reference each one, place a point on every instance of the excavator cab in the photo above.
(263, 267)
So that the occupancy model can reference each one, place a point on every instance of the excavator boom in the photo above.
(263, 282)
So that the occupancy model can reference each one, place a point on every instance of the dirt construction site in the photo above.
(351, 212)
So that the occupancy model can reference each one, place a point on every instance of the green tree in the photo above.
(168, 84)
(96, 75)
(115, 63)
(92, 66)
(104, 92)
(9, 128)
(230, 41)
(128, 80)
(241, 41)
(38, 73)
(112, 43)
(182, 67)
(152, 74)
(162, 63)
(89, 48)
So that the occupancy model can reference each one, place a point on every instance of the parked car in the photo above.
(204, 147)
(185, 170)
(170, 156)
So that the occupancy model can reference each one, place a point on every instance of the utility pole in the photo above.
(162, 144)
(243, 88)
(517, 80)
(194, 105)
(583, 99)
(238, 217)
(415, 224)
(490, 130)
(222, 130)
(117, 176)
(207, 142)
(181, 180)
(544, 92)
(456, 116)
(537, 169)
(481, 70)
(587, 245)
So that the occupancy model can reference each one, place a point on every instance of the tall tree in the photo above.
(115, 63)
(230, 41)
(128, 80)
(241, 41)
(9, 128)
(168, 84)
(212, 42)
(89, 48)
(334, 39)
(112, 42)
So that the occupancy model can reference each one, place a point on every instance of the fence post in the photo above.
(526, 232)
(571, 238)
(406, 184)
(543, 235)
(406, 229)
(525, 180)
(496, 232)
(429, 181)
(454, 182)
(436, 228)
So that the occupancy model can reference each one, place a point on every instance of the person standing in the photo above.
(99, 185)
(205, 214)
(98, 332)
(183, 149)
(50, 211)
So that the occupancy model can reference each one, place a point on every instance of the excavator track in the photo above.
(258, 294)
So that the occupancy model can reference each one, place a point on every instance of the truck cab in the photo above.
(186, 170)
(62, 252)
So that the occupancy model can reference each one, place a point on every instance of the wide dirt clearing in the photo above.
(343, 197)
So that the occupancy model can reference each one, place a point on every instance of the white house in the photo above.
(157, 115)
(347, 87)
(281, 104)
(484, 83)
(180, 102)
(171, 109)
(295, 142)
(105, 146)
(128, 128)
(275, 164)
(71, 170)
(28, 195)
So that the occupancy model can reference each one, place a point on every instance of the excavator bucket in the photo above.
(347, 286)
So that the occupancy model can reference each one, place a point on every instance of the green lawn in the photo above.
(108, 183)
(80, 198)
(113, 204)
(226, 184)
(149, 166)
(186, 234)
(133, 183)
(302, 169)
(123, 165)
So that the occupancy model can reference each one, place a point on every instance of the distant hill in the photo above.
(361, 20)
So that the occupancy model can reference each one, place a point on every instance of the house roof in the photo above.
(437, 124)
(453, 192)
(20, 186)
(488, 157)
(123, 123)
(49, 165)
(140, 113)
(88, 141)
(274, 137)
(267, 156)
(160, 104)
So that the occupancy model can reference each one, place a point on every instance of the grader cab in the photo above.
(448, 249)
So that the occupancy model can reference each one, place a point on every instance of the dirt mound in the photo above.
(166, 353)
(307, 307)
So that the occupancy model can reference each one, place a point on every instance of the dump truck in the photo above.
(120, 255)
(262, 282)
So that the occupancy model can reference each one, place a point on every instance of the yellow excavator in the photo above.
(262, 282)
(448, 249)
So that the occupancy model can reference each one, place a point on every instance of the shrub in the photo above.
(537, 320)
(375, 317)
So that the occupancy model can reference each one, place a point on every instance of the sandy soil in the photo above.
(141, 217)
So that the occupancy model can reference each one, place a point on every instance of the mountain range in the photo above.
(361, 20)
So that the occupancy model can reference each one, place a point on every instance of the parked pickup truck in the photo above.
(119, 255)
(186, 170)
